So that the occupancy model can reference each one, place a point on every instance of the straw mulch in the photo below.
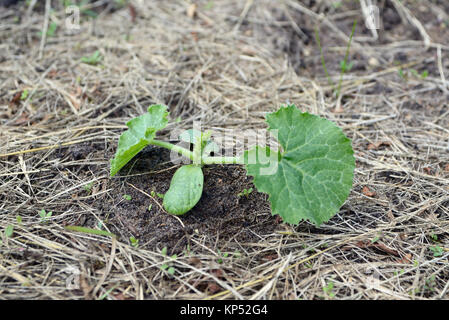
(224, 63)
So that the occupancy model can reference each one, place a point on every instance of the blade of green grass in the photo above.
(91, 231)
(106, 293)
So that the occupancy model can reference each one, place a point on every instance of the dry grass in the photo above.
(226, 66)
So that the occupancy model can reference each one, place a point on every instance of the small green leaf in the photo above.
(24, 94)
(346, 66)
(44, 215)
(52, 29)
(164, 251)
(140, 133)
(329, 288)
(134, 241)
(9, 230)
(171, 271)
(185, 189)
(88, 187)
(312, 177)
(245, 192)
(94, 59)
(127, 197)
(164, 266)
(437, 251)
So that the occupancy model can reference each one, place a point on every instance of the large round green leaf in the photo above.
(185, 189)
(311, 177)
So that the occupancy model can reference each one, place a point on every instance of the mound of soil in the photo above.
(220, 213)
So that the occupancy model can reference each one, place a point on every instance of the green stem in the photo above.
(222, 160)
(186, 153)
(189, 154)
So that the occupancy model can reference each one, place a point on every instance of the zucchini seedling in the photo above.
(308, 178)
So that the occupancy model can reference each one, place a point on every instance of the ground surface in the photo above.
(224, 63)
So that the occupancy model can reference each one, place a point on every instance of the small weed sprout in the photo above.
(51, 30)
(328, 289)
(93, 59)
(430, 283)
(167, 267)
(24, 94)
(9, 230)
(437, 251)
(7, 233)
(245, 193)
(44, 215)
(346, 66)
(88, 187)
(221, 255)
(134, 242)
(155, 194)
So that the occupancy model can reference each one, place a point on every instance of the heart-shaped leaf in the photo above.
(185, 189)
(141, 131)
(312, 176)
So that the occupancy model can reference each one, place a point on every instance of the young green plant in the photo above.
(308, 178)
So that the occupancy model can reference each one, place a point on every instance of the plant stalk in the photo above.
(186, 153)
(189, 154)
(222, 160)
